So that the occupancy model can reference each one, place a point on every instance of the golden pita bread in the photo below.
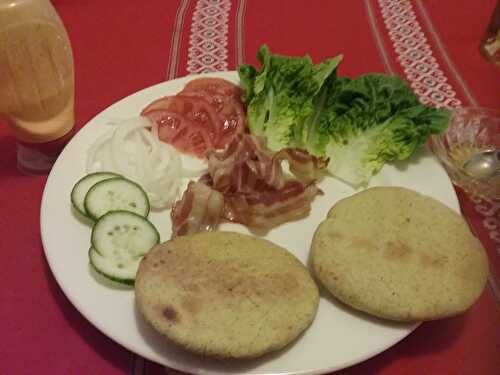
(399, 255)
(225, 294)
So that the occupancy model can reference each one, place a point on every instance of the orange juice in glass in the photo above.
(36, 81)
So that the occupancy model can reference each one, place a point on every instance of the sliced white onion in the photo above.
(190, 173)
(193, 167)
(95, 154)
(132, 150)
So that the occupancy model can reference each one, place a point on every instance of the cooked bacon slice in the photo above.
(242, 165)
(247, 163)
(272, 208)
(303, 165)
(254, 189)
(200, 209)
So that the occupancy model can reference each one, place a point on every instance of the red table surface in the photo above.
(123, 46)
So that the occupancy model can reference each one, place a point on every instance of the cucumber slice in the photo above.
(115, 269)
(115, 194)
(82, 187)
(123, 235)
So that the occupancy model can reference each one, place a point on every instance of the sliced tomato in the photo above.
(225, 96)
(190, 125)
(205, 115)
(161, 103)
(214, 85)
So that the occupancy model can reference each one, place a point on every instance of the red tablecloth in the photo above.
(123, 46)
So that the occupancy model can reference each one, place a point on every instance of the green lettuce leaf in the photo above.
(359, 124)
(369, 121)
(280, 95)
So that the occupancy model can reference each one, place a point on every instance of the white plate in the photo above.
(339, 337)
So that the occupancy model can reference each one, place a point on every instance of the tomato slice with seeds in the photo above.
(205, 115)
(182, 133)
(214, 85)
(225, 96)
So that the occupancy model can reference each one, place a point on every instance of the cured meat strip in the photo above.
(269, 209)
(249, 155)
(200, 209)
(303, 165)
(256, 192)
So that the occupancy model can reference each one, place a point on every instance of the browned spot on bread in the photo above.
(396, 250)
(170, 314)
(190, 286)
(285, 284)
(191, 304)
(362, 243)
(335, 236)
(433, 260)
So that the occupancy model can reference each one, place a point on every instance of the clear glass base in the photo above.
(32, 161)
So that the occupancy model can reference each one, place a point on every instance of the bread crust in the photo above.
(397, 254)
(226, 295)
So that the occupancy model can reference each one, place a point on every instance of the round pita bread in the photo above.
(225, 294)
(399, 255)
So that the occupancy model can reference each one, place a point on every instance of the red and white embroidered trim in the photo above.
(415, 54)
(454, 73)
(490, 210)
(173, 61)
(240, 32)
(378, 38)
(209, 37)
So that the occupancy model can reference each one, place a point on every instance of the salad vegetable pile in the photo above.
(359, 124)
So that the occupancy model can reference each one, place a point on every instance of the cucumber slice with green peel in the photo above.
(123, 235)
(114, 269)
(83, 185)
(115, 194)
